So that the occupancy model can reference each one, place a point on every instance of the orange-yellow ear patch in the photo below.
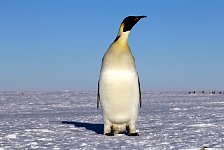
(122, 25)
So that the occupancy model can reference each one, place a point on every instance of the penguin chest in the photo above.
(119, 81)
(119, 91)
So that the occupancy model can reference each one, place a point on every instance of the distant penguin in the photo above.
(119, 88)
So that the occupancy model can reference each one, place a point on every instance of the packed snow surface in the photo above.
(70, 120)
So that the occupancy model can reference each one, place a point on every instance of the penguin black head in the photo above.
(130, 21)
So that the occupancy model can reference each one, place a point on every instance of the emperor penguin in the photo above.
(119, 90)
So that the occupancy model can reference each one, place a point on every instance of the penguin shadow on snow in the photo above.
(97, 128)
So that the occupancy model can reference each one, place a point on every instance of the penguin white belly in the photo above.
(119, 95)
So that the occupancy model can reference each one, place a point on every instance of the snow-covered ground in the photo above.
(70, 120)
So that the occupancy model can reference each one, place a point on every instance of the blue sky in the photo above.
(58, 45)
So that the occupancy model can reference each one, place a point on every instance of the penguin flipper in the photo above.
(98, 96)
(140, 94)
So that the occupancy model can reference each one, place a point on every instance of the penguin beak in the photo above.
(140, 17)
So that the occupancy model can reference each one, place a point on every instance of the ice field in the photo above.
(70, 120)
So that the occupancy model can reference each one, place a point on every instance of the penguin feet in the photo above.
(131, 134)
(109, 134)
